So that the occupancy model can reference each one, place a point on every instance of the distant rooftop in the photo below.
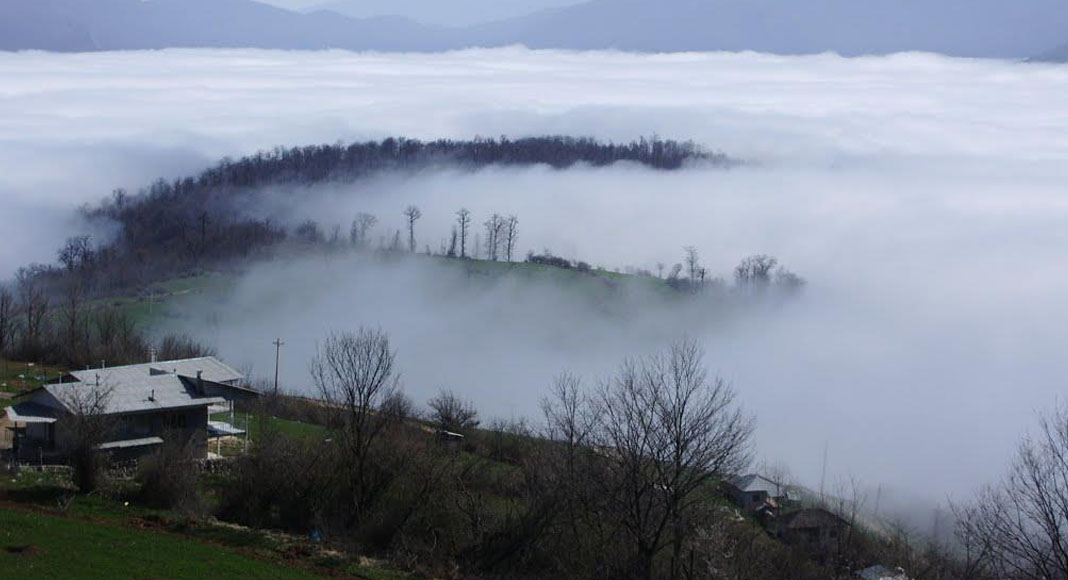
(171, 384)
(147, 393)
(212, 368)
(755, 482)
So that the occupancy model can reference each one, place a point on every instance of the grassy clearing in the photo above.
(162, 300)
(19, 377)
(35, 545)
(48, 531)
(171, 299)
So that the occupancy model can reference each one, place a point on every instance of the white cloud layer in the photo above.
(923, 197)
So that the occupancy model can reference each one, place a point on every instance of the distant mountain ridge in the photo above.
(79, 25)
(1059, 54)
(970, 28)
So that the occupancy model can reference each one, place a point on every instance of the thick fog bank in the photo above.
(922, 197)
(930, 327)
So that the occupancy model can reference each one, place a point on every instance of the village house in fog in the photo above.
(145, 404)
(759, 495)
(812, 529)
(880, 572)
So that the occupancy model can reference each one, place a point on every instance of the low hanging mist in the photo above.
(921, 198)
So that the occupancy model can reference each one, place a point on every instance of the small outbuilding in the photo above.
(756, 494)
(814, 529)
(880, 572)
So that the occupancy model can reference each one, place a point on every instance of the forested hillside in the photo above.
(195, 222)
(185, 227)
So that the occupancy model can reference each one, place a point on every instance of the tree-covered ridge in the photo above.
(321, 162)
(199, 220)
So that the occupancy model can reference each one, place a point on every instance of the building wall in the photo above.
(185, 425)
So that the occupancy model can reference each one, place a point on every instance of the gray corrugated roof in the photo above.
(125, 443)
(754, 482)
(147, 393)
(223, 429)
(213, 370)
(31, 412)
(880, 572)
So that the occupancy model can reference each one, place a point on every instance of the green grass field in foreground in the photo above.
(34, 545)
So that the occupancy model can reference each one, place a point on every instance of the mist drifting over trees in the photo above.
(924, 211)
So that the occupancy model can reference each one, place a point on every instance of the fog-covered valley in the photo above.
(921, 197)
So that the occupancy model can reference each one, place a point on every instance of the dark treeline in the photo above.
(175, 227)
(198, 220)
(178, 228)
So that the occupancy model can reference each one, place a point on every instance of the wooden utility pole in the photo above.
(277, 351)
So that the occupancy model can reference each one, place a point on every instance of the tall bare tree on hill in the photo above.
(361, 227)
(33, 306)
(511, 232)
(74, 327)
(411, 214)
(463, 220)
(494, 225)
(7, 319)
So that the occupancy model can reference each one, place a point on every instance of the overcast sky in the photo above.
(440, 12)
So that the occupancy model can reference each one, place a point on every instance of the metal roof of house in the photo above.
(127, 443)
(147, 393)
(31, 412)
(754, 482)
(880, 572)
(223, 429)
(212, 369)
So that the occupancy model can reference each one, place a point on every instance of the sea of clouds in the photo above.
(922, 197)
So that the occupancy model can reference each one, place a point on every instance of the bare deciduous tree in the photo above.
(693, 262)
(570, 416)
(511, 233)
(411, 214)
(33, 304)
(670, 430)
(88, 427)
(74, 317)
(76, 253)
(754, 272)
(7, 319)
(356, 377)
(493, 226)
(463, 220)
(361, 227)
(1019, 527)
